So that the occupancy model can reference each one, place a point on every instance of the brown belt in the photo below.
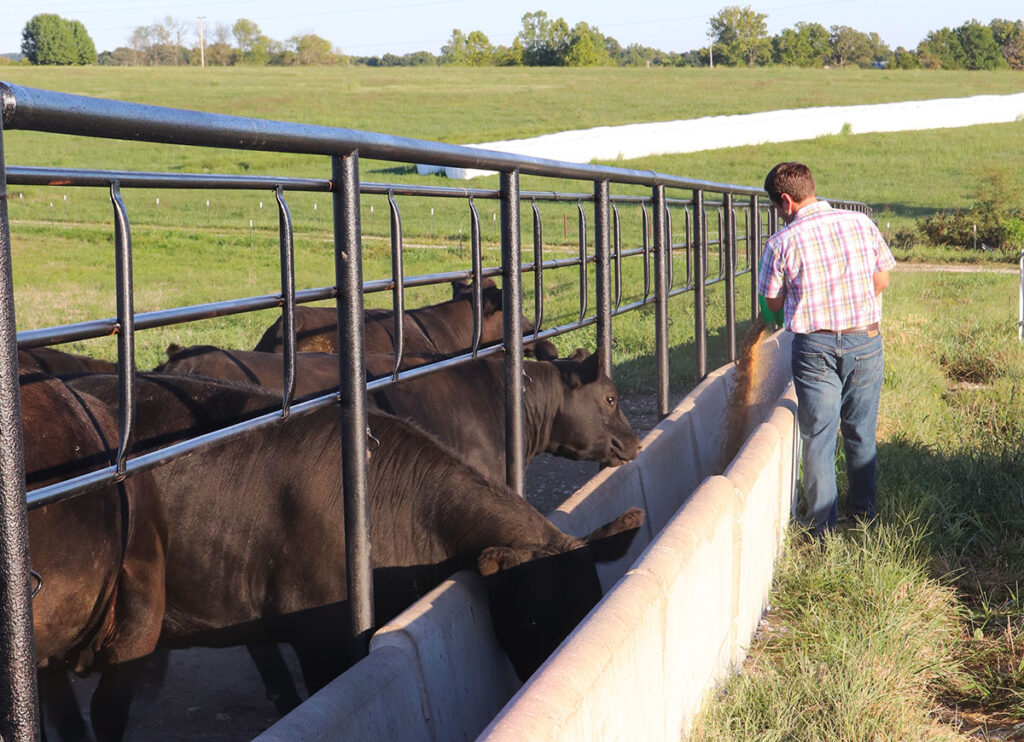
(873, 327)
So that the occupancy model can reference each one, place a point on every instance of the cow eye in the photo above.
(610, 399)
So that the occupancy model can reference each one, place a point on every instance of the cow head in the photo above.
(538, 594)
(589, 423)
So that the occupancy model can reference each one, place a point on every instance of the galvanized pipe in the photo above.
(617, 254)
(645, 222)
(19, 716)
(584, 290)
(728, 240)
(512, 311)
(348, 263)
(538, 272)
(754, 251)
(398, 292)
(602, 253)
(287, 253)
(700, 266)
(125, 326)
(661, 298)
(476, 257)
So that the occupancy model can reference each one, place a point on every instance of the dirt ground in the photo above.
(215, 695)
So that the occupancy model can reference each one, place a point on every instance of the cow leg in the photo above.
(277, 678)
(58, 705)
(320, 661)
(112, 699)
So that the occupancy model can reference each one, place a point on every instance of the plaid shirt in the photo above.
(824, 261)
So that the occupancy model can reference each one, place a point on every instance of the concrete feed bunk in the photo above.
(678, 614)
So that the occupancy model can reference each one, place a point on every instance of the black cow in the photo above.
(445, 328)
(255, 544)
(571, 406)
(57, 362)
(99, 556)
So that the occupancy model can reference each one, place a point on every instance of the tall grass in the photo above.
(907, 630)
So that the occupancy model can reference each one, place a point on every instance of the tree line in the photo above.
(738, 36)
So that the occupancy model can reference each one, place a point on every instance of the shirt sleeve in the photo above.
(884, 259)
(770, 278)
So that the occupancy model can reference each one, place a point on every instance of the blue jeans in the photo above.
(838, 382)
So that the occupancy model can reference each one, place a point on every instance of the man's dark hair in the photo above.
(792, 178)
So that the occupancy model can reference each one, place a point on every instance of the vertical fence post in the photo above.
(754, 250)
(728, 240)
(700, 247)
(287, 254)
(602, 274)
(661, 297)
(19, 714)
(125, 325)
(512, 313)
(348, 259)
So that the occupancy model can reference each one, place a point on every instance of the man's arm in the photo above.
(880, 279)
(777, 303)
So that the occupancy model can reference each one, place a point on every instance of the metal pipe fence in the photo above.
(708, 245)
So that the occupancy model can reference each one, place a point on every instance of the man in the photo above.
(826, 268)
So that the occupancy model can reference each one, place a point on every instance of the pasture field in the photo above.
(913, 629)
(902, 175)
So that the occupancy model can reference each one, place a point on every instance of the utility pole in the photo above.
(202, 43)
(711, 53)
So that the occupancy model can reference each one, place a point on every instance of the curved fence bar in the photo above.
(617, 249)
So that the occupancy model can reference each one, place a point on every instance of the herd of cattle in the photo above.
(242, 543)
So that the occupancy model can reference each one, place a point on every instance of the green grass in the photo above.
(904, 176)
(901, 631)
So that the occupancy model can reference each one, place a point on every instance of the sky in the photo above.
(374, 27)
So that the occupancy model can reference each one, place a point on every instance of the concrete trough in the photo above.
(678, 614)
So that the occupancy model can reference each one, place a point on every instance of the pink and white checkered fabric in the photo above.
(824, 260)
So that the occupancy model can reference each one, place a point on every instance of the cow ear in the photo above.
(580, 354)
(612, 540)
(590, 368)
(491, 303)
(496, 558)
(459, 289)
(172, 350)
(543, 350)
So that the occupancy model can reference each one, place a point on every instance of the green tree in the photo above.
(741, 36)
(49, 39)
(1009, 36)
(806, 45)
(942, 50)
(544, 41)
(509, 56)
(853, 47)
(587, 47)
(473, 50)
(981, 52)
(905, 60)
(253, 46)
(312, 49)
(85, 49)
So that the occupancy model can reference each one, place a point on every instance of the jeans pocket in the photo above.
(868, 367)
(809, 366)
